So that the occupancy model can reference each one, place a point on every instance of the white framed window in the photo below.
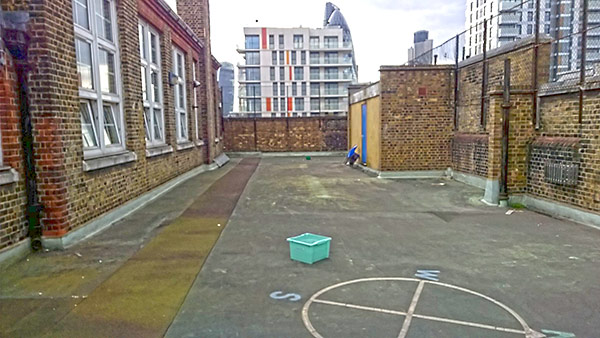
(98, 68)
(151, 84)
(298, 41)
(181, 115)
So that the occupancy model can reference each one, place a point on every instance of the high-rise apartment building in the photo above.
(226, 83)
(511, 20)
(566, 23)
(297, 71)
(421, 52)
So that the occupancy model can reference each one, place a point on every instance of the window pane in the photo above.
(179, 65)
(181, 100)
(252, 42)
(88, 125)
(84, 64)
(154, 48)
(103, 19)
(155, 86)
(147, 123)
(144, 85)
(111, 129)
(158, 124)
(107, 71)
(142, 42)
(252, 58)
(80, 13)
(182, 125)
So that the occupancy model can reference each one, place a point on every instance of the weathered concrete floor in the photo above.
(104, 287)
(546, 270)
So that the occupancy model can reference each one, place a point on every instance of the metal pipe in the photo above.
(482, 119)
(17, 41)
(505, 130)
(456, 54)
(536, 117)
(584, 27)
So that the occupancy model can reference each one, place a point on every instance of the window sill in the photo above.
(185, 145)
(200, 143)
(92, 164)
(158, 150)
(8, 175)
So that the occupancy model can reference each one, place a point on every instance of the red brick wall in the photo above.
(71, 197)
(521, 115)
(13, 226)
(286, 134)
(416, 117)
(560, 123)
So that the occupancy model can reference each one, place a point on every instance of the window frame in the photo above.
(298, 41)
(94, 97)
(182, 136)
(150, 103)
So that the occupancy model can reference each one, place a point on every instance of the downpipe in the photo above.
(14, 33)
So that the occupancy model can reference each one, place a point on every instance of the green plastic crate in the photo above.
(309, 248)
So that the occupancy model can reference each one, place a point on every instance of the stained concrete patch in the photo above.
(387, 229)
(144, 295)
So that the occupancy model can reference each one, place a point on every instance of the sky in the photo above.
(382, 30)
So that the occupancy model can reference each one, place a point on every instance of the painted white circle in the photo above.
(409, 314)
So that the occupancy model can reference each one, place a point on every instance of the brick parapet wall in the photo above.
(416, 118)
(521, 116)
(559, 117)
(286, 134)
(470, 154)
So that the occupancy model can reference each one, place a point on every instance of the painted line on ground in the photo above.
(314, 298)
(360, 307)
(411, 310)
(471, 324)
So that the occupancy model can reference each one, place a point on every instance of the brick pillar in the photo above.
(54, 108)
(494, 126)
(196, 14)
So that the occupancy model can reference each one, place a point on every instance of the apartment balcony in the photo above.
(510, 18)
(331, 46)
(509, 31)
(332, 79)
(341, 62)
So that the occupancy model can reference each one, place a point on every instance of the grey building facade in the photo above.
(226, 83)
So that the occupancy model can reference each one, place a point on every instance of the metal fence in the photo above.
(572, 25)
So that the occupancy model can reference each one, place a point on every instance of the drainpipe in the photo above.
(505, 130)
(16, 37)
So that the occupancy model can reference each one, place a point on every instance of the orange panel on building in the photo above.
(268, 104)
(289, 104)
(264, 38)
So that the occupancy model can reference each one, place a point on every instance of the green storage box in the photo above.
(309, 248)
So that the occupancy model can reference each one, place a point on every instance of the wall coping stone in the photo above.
(557, 142)
(366, 93)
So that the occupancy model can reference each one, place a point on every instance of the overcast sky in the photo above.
(382, 30)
